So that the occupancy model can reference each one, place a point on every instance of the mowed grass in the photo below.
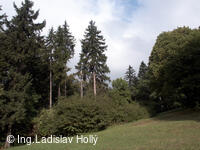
(179, 130)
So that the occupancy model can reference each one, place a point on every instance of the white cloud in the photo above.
(130, 34)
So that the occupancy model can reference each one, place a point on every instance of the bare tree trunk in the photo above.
(59, 90)
(94, 80)
(50, 81)
(7, 144)
(50, 90)
(81, 90)
(65, 86)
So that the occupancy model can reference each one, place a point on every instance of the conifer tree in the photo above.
(92, 62)
(64, 51)
(28, 44)
(142, 90)
(2, 44)
(82, 73)
(20, 76)
(2, 20)
(142, 70)
(50, 44)
(130, 77)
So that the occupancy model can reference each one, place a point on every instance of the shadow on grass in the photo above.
(173, 115)
(179, 115)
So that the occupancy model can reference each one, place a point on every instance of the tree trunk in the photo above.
(7, 144)
(59, 90)
(50, 90)
(94, 80)
(50, 81)
(81, 90)
(65, 87)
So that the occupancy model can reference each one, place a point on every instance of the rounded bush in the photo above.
(74, 115)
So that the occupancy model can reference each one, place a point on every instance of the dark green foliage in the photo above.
(92, 57)
(63, 51)
(50, 46)
(142, 70)
(133, 112)
(60, 49)
(174, 67)
(2, 20)
(22, 71)
(72, 86)
(141, 91)
(85, 116)
(3, 67)
(121, 92)
(130, 77)
(3, 52)
(126, 109)
(171, 80)
(24, 46)
(45, 123)
(13, 99)
(26, 60)
(189, 77)
(73, 116)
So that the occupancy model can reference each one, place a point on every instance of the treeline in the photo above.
(39, 96)
(172, 77)
(34, 68)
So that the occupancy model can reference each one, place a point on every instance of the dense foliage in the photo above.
(22, 80)
(130, 77)
(38, 96)
(175, 69)
(92, 67)
(75, 115)
(121, 92)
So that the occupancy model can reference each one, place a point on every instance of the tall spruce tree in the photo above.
(2, 45)
(50, 45)
(142, 70)
(21, 76)
(70, 44)
(2, 20)
(92, 65)
(142, 91)
(63, 52)
(130, 77)
(28, 44)
(4, 67)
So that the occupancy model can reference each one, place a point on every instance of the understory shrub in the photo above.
(129, 112)
(74, 115)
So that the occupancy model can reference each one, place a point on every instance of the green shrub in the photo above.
(129, 112)
(45, 123)
(77, 116)
(74, 115)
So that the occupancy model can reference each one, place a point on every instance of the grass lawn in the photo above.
(178, 130)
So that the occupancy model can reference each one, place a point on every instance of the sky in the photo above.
(130, 27)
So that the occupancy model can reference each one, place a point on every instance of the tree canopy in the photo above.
(130, 77)
(174, 68)
(93, 58)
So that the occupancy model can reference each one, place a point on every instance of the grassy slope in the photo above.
(169, 131)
